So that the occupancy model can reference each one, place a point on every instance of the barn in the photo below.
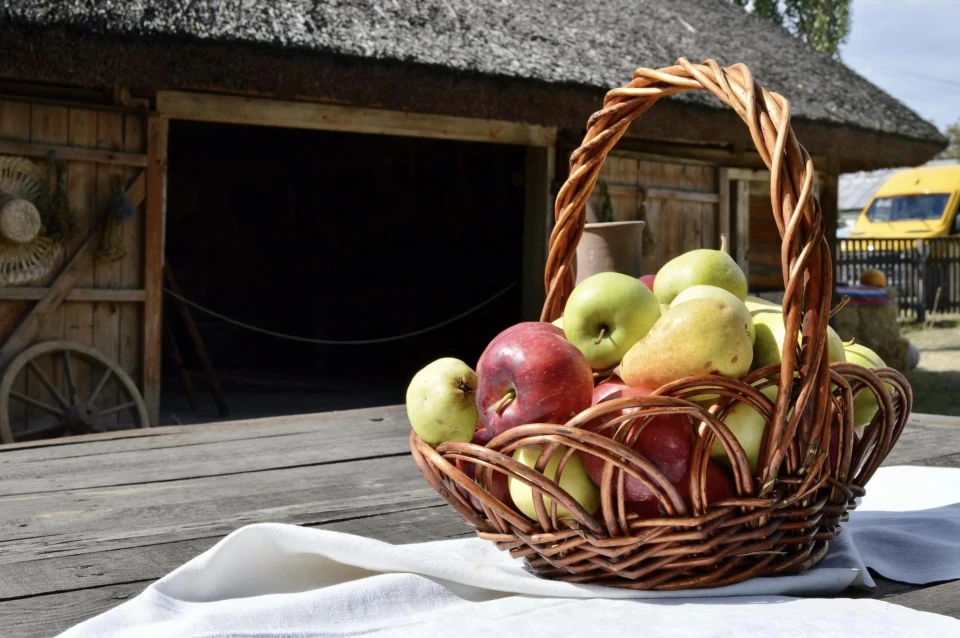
(375, 177)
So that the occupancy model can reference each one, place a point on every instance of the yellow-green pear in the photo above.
(699, 267)
(558, 322)
(696, 292)
(700, 336)
(768, 323)
(441, 402)
(574, 481)
(748, 426)
(865, 406)
(756, 303)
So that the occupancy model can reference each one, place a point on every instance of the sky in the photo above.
(910, 49)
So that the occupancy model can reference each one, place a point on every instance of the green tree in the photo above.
(953, 137)
(824, 24)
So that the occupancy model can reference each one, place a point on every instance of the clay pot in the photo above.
(610, 246)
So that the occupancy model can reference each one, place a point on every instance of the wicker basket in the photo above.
(783, 515)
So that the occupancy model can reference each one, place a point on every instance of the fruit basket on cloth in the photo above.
(685, 437)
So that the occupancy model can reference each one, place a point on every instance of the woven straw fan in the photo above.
(25, 254)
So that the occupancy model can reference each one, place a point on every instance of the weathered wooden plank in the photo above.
(323, 444)
(683, 195)
(231, 109)
(50, 125)
(131, 266)
(183, 435)
(537, 224)
(923, 443)
(36, 293)
(89, 520)
(45, 616)
(940, 599)
(107, 273)
(155, 214)
(70, 153)
(82, 184)
(39, 576)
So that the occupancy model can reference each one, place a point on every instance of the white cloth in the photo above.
(271, 580)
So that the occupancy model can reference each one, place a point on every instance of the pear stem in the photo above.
(504, 402)
(724, 247)
(600, 338)
(843, 302)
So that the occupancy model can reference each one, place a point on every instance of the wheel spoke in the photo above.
(37, 433)
(46, 407)
(117, 408)
(32, 365)
(71, 380)
(107, 373)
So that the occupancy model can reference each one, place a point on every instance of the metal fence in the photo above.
(926, 273)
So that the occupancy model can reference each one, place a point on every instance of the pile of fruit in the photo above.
(623, 337)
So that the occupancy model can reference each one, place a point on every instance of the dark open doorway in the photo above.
(336, 236)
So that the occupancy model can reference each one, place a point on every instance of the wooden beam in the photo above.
(743, 225)
(683, 195)
(105, 295)
(72, 153)
(154, 228)
(232, 109)
(723, 205)
(537, 222)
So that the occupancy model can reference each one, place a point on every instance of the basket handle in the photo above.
(804, 254)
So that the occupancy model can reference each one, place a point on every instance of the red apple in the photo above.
(500, 489)
(667, 442)
(531, 376)
(608, 387)
(834, 450)
(719, 483)
(541, 326)
(648, 280)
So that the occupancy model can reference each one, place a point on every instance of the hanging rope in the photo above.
(335, 342)
(119, 210)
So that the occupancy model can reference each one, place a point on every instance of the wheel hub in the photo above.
(80, 418)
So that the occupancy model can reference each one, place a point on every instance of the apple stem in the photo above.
(504, 402)
(600, 338)
(843, 302)
(849, 343)
(723, 243)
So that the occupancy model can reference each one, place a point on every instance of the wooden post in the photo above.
(743, 225)
(154, 228)
(537, 223)
(829, 203)
(723, 205)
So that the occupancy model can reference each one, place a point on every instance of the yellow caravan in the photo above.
(915, 203)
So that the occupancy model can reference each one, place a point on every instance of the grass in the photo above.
(936, 381)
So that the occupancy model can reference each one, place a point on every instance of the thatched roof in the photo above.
(592, 44)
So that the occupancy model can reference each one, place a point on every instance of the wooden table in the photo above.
(88, 522)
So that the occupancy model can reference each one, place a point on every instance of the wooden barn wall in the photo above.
(115, 329)
(679, 200)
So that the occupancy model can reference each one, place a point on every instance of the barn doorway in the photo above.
(337, 236)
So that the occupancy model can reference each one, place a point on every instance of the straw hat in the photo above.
(25, 254)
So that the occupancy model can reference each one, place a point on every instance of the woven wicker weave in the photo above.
(784, 514)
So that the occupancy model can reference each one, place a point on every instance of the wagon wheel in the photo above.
(62, 388)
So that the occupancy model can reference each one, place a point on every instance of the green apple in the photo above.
(748, 426)
(865, 406)
(712, 292)
(574, 481)
(700, 267)
(441, 402)
(558, 322)
(771, 332)
(606, 314)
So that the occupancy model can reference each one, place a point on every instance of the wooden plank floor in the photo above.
(87, 522)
